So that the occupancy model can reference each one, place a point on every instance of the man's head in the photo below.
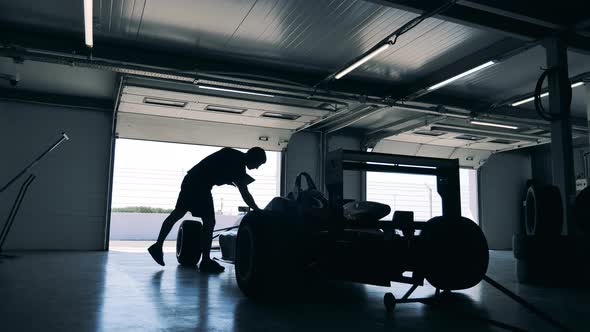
(255, 157)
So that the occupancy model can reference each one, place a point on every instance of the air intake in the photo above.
(468, 137)
(434, 133)
(164, 102)
(282, 116)
(224, 109)
(503, 141)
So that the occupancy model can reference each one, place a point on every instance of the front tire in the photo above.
(262, 253)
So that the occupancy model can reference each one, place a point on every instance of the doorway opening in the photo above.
(412, 192)
(146, 181)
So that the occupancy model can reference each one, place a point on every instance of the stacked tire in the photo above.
(582, 218)
(543, 256)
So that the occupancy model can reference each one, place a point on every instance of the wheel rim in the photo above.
(179, 242)
(531, 212)
(244, 260)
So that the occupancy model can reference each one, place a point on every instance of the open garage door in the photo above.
(204, 118)
(471, 147)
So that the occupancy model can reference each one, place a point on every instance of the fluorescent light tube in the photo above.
(524, 101)
(208, 87)
(361, 61)
(491, 124)
(88, 23)
(545, 94)
(454, 78)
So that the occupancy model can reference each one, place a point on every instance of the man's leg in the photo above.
(208, 265)
(207, 236)
(156, 249)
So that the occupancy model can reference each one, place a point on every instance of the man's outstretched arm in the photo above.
(247, 196)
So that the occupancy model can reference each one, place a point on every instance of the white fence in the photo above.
(146, 226)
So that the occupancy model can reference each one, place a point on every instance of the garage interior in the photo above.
(502, 87)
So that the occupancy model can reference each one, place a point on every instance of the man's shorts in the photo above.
(195, 197)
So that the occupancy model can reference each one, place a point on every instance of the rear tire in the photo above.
(188, 243)
(453, 253)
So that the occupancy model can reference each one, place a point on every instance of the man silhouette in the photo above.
(226, 166)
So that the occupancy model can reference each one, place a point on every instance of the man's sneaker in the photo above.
(156, 251)
(210, 266)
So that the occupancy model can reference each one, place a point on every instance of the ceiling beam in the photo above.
(494, 20)
(509, 14)
(23, 43)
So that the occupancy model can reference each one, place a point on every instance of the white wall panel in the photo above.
(65, 207)
(501, 189)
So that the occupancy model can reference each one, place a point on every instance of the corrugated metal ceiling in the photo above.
(516, 76)
(318, 35)
(513, 77)
(321, 35)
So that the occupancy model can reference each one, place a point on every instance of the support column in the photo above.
(587, 86)
(562, 160)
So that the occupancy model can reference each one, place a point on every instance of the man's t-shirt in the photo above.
(226, 166)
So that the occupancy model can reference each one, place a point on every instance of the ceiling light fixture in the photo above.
(454, 78)
(88, 23)
(492, 124)
(364, 59)
(545, 94)
(208, 87)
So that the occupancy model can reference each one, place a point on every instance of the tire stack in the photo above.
(543, 255)
(582, 217)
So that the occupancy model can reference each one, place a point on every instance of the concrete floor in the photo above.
(121, 291)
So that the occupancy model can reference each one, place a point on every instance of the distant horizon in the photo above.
(149, 174)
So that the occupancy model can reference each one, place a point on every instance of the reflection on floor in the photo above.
(121, 291)
(140, 246)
